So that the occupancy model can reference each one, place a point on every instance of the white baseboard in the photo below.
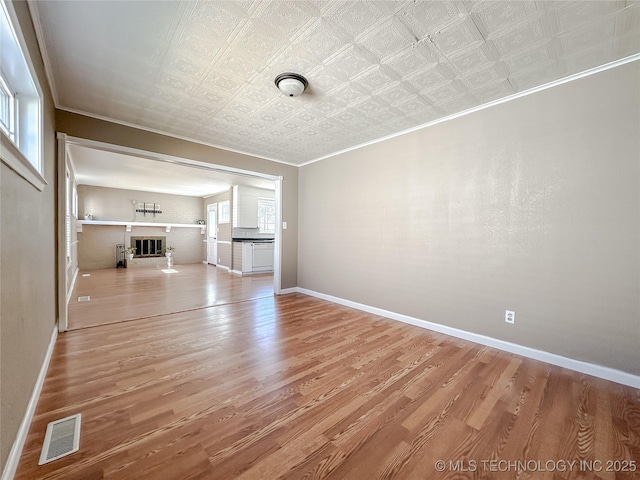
(599, 371)
(236, 272)
(21, 437)
(223, 267)
(73, 284)
(286, 291)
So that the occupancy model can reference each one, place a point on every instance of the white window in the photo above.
(7, 103)
(224, 215)
(266, 215)
(74, 199)
(20, 103)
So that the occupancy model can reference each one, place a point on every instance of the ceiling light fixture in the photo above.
(291, 84)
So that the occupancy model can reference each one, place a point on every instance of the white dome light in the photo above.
(291, 84)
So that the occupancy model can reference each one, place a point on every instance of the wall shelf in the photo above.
(129, 225)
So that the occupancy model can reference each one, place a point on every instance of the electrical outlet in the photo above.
(510, 316)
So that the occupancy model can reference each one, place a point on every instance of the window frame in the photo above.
(26, 137)
(9, 128)
(224, 212)
(269, 203)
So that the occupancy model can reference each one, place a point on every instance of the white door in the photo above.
(212, 234)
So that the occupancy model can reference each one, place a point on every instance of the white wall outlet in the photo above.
(510, 316)
(284, 225)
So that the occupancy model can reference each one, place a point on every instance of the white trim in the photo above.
(524, 93)
(61, 232)
(225, 242)
(287, 291)
(223, 267)
(172, 135)
(13, 158)
(35, 18)
(73, 283)
(236, 272)
(277, 246)
(16, 450)
(599, 371)
(150, 155)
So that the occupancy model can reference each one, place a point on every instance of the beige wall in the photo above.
(102, 131)
(532, 206)
(96, 243)
(27, 268)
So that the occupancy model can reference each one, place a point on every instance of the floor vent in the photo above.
(86, 298)
(62, 438)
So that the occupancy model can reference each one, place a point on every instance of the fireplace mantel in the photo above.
(129, 225)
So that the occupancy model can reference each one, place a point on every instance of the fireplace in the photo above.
(148, 246)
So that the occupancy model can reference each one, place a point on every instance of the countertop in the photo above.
(242, 239)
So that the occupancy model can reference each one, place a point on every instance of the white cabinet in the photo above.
(247, 257)
(262, 257)
(257, 257)
(245, 207)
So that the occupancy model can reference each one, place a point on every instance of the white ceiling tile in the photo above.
(538, 76)
(575, 14)
(260, 39)
(497, 15)
(355, 17)
(411, 59)
(585, 37)
(289, 18)
(427, 115)
(220, 18)
(538, 54)
(520, 37)
(396, 92)
(348, 93)
(430, 77)
(387, 39)
(222, 81)
(472, 59)
(200, 45)
(293, 59)
(412, 105)
(185, 67)
(457, 37)
(369, 105)
(493, 91)
(352, 61)
(443, 93)
(376, 78)
(427, 18)
(484, 76)
(322, 40)
(458, 104)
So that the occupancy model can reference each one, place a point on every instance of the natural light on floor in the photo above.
(169, 270)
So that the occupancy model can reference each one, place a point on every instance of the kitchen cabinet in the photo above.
(245, 207)
(253, 256)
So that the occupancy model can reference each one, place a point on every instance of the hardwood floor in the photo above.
(295, 387)
(121, 294)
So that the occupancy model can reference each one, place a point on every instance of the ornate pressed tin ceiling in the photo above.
(205, 70)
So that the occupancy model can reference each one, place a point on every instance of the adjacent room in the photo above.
(136, 224)
(320, 239)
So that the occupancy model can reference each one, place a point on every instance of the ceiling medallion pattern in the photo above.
(204, 70)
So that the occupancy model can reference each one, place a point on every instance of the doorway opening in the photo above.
(67, 277)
